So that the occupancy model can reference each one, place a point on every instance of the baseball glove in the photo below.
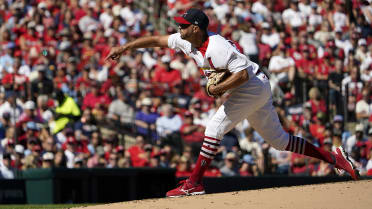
(215, 78)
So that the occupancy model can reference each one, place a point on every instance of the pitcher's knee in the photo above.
(279, 142)
(212, 131)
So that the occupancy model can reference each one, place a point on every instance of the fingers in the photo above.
(112, 56)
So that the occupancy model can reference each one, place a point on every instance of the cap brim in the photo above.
(181, 20)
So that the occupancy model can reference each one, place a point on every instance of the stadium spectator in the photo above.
(230, 167)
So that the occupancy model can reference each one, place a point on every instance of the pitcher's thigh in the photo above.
(266, 122)
(227, 116)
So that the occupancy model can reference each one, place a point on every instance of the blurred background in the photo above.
(63, 107)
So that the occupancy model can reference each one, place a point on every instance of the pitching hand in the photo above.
(115, 53)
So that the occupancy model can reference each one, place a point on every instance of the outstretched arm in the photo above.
(144, 42)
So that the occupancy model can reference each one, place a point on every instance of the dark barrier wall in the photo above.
(39, 186)
(96, 185)
(12, 191)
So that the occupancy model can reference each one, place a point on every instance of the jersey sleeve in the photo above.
(176, 42)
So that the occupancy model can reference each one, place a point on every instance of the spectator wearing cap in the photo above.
(48, 160)
(42, 85)
(145, 120)
(10, 106)
(29, 114)
(270, 36)
(18, 155)
(357, 139)
(315, 19)
(6, 170)
(78, 162)
(70, 152)
(230, 167)
(67, 112)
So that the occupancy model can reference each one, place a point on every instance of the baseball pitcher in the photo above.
(250, 96)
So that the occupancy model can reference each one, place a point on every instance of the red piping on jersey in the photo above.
(203, 47)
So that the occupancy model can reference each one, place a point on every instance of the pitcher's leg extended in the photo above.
(266, 122)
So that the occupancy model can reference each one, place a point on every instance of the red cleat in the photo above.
(343, 162)
(186, 188)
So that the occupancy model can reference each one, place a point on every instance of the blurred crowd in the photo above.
(62, 105)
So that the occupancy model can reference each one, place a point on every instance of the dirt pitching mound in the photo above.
(344, 195)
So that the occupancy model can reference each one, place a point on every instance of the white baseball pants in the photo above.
(253, 101)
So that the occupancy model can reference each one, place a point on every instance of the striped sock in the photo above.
(301, 146)
(207, 153)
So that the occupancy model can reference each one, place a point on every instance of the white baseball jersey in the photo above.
(251, 100)
(216, 53)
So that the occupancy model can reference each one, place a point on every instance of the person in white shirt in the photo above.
(282, 66)
(315, 18)
(260, 8)
(250, 96)
(269, 36)
(6, 171)
(292, 16)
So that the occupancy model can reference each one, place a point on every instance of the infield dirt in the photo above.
(344, 195)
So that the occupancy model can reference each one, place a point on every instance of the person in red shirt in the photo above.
(167, 75)
(190, 132)
(183, 167)
(16, 81)
(316, 102)
(95, 97)
(137, 152)
(317, 129)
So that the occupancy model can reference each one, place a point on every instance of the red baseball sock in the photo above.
(301, 146)
(207, 153)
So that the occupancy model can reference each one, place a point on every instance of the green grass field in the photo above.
(52, 206)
